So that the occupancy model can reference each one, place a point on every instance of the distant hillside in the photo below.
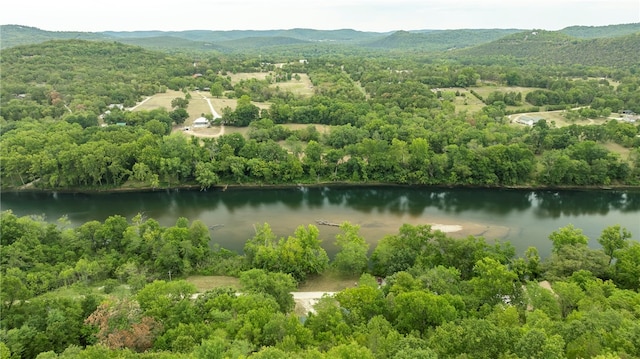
(345, 35)
(14, 35)
(550, 45)
(592, 32)
(260, 42)
(438, 40)
(162, 42)
(553, 47)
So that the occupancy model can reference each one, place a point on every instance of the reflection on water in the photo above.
(576, 203)
(529, 216)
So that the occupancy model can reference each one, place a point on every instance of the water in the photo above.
(523, 217)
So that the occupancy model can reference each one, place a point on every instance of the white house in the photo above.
(201, 122)
(528, 121)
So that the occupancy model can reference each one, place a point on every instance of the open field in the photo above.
(616, 148)
(159, 100)
(466, 101)
(198, 106)
(326, 282)
(204, 283)
(302, 87)
(484, 91)
(235, 78)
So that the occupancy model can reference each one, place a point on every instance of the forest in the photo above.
(101, 290)
(376, 115)
(393, 119)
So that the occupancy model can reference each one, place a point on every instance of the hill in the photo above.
(165, 42)
(344, 35)
(14, 35)
(591, 32)
(513, 43)
(556, 48)
(438, 40)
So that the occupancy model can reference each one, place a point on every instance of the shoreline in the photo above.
(232, 187)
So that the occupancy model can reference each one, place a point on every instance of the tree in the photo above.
(121, 325)
(168, 302)
(206, 175)
(361, 303)
(612, 239)
(245, 112)
(216, 89)
(627, 267)
(299, 255)
(572, 258)
(179, 103)
(400, 252)
(420, 310)
(277, 285)
(493, 282)
(567, 235)
(179, 115)
(13, 288)
(351, 259)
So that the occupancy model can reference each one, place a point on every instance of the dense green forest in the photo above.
(393, 119)
(115, 289)
(382, 109)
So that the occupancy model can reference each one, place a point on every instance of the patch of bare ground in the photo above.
(620, 150)
(327, 282)
(204, 283)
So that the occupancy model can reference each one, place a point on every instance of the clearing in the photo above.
(306, 297)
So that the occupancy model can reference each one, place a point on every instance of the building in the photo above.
(527, 120)
(201, 122)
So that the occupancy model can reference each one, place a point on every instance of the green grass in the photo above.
(328, 281)
(620, 150)
(205, 283)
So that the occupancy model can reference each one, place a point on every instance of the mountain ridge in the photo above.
(508, 42)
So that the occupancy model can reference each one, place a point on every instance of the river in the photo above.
(523, 217)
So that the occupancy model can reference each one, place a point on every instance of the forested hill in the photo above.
(241, 40)
(439, 40)
(13, 35)
(556, 48)
(592, 32)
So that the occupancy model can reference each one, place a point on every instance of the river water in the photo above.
(523, 217)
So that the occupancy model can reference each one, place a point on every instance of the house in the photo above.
(526, 120)
(201, 122)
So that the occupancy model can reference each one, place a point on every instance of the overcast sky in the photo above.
(364, 15)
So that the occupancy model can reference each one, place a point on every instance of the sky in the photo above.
(363, 15)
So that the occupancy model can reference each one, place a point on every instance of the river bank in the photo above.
(240, 186)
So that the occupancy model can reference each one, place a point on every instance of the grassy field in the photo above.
(557, 119)
(616, 148)
(205, 283)
(160, 100)
(484, 91)
(235, 78)
(466, 101)
(302, 87)
(326, 282)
